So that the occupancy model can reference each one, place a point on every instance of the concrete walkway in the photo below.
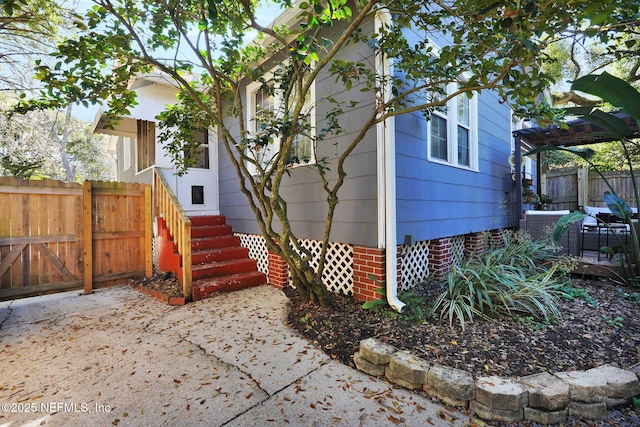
(117, 357)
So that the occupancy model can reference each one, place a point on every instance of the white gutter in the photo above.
(386, 149)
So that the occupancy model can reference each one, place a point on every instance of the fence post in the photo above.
(87, 236)
(148, 250)
(583, 186)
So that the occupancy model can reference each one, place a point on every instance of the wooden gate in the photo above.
(58, 236)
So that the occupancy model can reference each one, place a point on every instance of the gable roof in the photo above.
(579, 132)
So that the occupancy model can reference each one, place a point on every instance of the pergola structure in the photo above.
(576, 133)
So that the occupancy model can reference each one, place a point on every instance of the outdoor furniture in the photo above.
(540, 224)
(599, 226)
(606, 224)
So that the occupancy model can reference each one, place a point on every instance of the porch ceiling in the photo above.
(579, 132)
(125, 127)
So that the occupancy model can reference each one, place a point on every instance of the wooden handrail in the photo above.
(166, 204)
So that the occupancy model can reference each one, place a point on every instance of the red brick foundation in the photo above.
(440, 256)
(368, 264)
(475, 244)
(497, 241)
(278, 271)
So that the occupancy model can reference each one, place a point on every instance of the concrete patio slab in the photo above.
(118, 357)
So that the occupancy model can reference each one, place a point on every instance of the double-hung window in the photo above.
(264, 110)
(452, 132)
(199, 154)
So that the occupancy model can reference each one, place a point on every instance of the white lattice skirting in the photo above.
(415, 264)
(338, 271)
(257, 250)
(155, 256)
(457, 247)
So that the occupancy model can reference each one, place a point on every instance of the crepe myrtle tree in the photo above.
(202, 46)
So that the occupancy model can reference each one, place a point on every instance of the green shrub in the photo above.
(522, 277)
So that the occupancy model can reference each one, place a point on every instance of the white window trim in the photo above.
(451, 116)
(251, 90)
(126, 146)
(206, 144)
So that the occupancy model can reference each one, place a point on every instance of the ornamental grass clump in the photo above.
(521, 278)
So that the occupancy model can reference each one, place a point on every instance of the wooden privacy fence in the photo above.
(572, 188)
(57, 236)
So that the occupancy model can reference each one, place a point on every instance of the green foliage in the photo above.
(29, 30)
(519, 278)
(570, 292)
(305, 320)
(625, 97)
(377, 304)
(19, 166)
(616, 321)
(534, 324)
(633, 296)
(35, 149)
(564, 224)
(415, 308)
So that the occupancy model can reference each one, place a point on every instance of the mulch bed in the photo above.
(163, 286)
(605, 329)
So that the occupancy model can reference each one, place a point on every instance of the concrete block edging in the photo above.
(544, 398)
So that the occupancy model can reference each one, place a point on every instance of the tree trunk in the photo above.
(309, 285)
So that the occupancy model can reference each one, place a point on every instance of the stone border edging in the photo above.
(543, 398)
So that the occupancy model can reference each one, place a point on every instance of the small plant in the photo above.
(305, 320)
(633, 296)
(616, 321)
(545, 199)
(377, 304)
(414, 310)
(569, 292)
(531, 322)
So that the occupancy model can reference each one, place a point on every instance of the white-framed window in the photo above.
(200, 154)
(145, 144)
(262, 108)
(452, 132)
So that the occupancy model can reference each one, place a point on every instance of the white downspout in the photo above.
(386, 149)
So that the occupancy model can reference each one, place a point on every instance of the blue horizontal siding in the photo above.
(436, 200)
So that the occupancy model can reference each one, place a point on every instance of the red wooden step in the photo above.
(197, 221)
(211, 231)
(223, 268)
(214, 242)
(205, 256)
(205, 288)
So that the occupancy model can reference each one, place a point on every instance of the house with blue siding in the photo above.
(420, 192)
